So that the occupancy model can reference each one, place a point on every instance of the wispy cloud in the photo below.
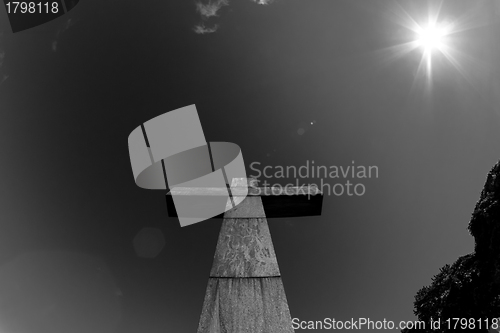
(206, 11)
(210, 9)
(201, 29)
(2, 52)
(263, 2)
(67, 24)
(3, 76)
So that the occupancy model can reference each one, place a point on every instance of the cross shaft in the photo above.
(245, 293)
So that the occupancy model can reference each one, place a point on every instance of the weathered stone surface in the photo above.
(245, 293)
(247, 305)
(245, 248)
(249, 207)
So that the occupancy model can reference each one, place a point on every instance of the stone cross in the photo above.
(245, 293)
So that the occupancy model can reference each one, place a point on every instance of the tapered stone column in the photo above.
(245, 292)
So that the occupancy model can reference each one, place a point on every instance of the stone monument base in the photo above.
(245, 305)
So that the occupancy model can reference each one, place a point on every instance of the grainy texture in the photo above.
(245, 293)
(249, 207)
(245, 249)
(246, 305)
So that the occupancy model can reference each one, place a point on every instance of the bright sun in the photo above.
(431, 37)
(435, 38)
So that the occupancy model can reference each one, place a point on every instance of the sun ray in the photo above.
(439, 39)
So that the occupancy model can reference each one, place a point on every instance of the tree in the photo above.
(470, 287)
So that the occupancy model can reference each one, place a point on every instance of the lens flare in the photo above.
(431, 37)
(439, 39)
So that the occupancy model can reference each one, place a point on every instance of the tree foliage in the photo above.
(470, 287)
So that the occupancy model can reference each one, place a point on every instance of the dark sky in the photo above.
(289, 82)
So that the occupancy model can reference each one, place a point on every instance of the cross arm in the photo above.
(277, 201)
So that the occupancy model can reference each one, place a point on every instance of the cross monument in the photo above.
(245, 293)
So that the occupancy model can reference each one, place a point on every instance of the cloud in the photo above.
(4, 77)
(2, 52)
(210, 9)
(201, 29)
(263, 2)
(67, 24)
